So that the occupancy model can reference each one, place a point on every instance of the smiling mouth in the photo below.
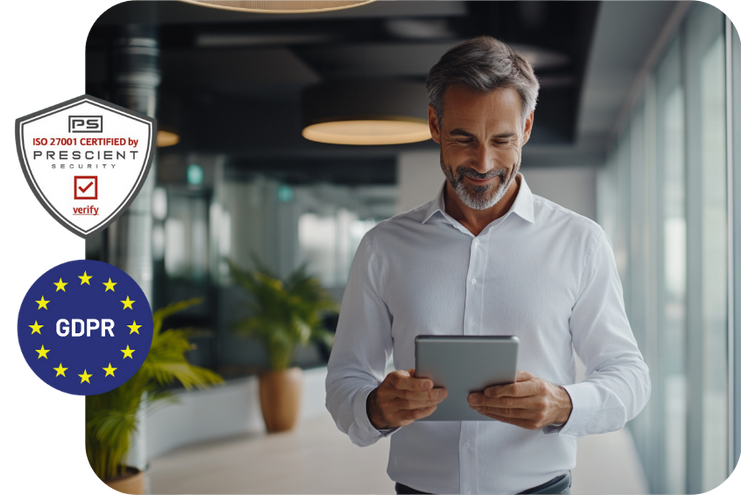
(485, 181)
(481, 181)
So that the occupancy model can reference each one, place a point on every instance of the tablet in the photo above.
(464, 364)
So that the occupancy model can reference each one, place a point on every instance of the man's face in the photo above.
(481, 139)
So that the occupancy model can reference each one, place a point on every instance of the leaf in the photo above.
(162, 313)
(283, 313)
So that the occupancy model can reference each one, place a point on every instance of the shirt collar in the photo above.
(435, 205)
(522, 206)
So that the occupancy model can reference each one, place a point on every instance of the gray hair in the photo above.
(483, 64)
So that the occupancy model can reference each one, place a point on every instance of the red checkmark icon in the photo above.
(86, 192)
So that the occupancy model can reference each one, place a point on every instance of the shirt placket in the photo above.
(468, 465)
(474, 286)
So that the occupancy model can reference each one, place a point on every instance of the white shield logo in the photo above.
(85, 160)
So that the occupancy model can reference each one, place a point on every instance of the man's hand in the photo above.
(401, 399)
(530, 402)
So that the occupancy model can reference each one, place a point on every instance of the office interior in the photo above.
(637, 127)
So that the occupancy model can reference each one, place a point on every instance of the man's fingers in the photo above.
(411, 404)
(481, 400)
(403, 417)
(525, 388)
(404, 380)
(508, 402)
(523, 376)
(434, 396)
(402, 398)
(423, 412)
(510, 413)
(517, 417)
(401, 387)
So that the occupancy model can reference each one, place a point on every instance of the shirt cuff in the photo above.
(363, 429)
(583, 410)
(553, 428)
(558, 427)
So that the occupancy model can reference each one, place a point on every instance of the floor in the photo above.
(316, 458)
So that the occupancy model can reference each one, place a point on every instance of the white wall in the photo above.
(419, 178)
(573, 187)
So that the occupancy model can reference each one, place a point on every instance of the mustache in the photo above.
(462, 172)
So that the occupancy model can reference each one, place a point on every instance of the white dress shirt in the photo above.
(540, 272)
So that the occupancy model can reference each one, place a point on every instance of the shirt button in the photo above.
(474, 281)
(466, 445)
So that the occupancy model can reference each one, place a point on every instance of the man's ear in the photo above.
(435, 129)
(527, 129)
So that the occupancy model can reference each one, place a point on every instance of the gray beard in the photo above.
(478, 197)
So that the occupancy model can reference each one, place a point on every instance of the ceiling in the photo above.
(235, 79)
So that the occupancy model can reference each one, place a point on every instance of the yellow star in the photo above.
(128, 303)
(85, 376)
(127, 352)
(60, 370)
(134, 327)
(109, 285)
(42, 303)
(42, 352)
(85, 279)
(110, 370)
(36, 328)
(60, 285)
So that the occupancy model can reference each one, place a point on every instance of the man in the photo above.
(485, 257)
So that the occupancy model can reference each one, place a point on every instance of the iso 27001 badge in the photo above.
(85, 160)
(85, 327)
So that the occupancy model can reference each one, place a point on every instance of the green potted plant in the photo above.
(111, 418)
(283, 314)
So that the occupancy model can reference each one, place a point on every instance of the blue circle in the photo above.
(85, 327)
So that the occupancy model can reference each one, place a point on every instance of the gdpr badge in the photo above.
(85, 327)
(85, 160)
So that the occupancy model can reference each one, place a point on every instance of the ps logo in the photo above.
(85, 123)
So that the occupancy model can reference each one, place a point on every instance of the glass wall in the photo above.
(672, 241)
(666, 199)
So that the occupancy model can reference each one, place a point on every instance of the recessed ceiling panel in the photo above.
(376, 59)
(270, 73)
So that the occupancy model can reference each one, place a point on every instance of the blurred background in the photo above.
(637, 127)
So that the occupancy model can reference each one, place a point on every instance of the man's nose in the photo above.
(484, 159)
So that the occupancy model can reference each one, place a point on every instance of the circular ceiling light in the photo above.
(281, 6)
(365, 112)
(168, 119)
(167, 138)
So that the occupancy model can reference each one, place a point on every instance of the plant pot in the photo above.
(132, 482)
(280, 398)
